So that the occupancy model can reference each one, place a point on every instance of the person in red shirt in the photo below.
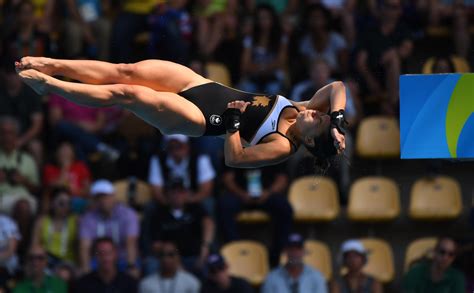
(66, 171)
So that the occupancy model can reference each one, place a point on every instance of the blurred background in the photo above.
(95, 199)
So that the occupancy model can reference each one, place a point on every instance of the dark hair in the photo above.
(99, 241)
(275, 31)
(323, 151)
(321, 8)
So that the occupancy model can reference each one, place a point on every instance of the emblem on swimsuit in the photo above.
(215, 120)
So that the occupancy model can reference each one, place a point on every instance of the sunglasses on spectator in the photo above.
(168, 254)
(444, 252)
(38, 257)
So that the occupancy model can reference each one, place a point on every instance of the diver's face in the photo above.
(312, 123)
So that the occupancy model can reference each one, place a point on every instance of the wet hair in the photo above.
(324, 151)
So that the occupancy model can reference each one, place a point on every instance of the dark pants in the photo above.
(277, 206)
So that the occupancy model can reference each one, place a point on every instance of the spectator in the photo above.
(85, 22)
(69, 173)
(344, 11)
(321, 41)
(80, 125)
(171, 278)
(264, 54)
(113, 220)
(294, 276)
(436, 275)
(9, 236)
(57, 231)
(171, 32)
(106, 278)
(457, 14)
(187, 225)
(382, 48)
(25, 39)
(131, 20)
(263, 189)
(220, 280)
(36, 278)
(195, 170)
(354, 257)
(18, 171)
(209, 17)
(66, 272)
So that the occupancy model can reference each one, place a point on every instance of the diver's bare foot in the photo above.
(41, 64)
(35, 79)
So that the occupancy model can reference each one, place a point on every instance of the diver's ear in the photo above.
(309, 141)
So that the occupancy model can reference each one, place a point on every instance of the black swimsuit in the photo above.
(212, 99)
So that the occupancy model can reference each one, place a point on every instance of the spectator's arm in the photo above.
(10, 250)
(36, 238)
(280, 184)
(155, 178)
(363, 69)
(204, 190)
(212, 40)
(377, 287)
(228, 178)
(33, 131)
(280, 61)
(208, 231)
(84, 254)
(405, 49)
(131, 244)
(248, 67)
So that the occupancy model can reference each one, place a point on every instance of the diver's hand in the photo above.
(339, 140)
(241, 105)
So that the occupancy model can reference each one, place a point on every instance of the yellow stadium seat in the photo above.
(318, 256)
(247, 259)
(378, 137)
(374, 199)
(419, 249)
(218, 73)
(314, 198)
(142, 193)
(380, 263)
(460, 65)
(253, 217)
(438, 31)
(437, 198)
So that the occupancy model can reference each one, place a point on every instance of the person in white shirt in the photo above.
(170, 278)
(9, 237)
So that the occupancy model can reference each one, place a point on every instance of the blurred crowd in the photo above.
(62, 221)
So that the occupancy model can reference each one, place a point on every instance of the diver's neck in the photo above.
(294, 133)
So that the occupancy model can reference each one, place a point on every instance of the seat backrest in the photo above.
(435, 198)
(247, 259)
(419, 249)
(378, 137)
(141, 193)
(318, 256)
(460, 65)
(380, 263)
(314, 198)
(218, 73)
(374, 199)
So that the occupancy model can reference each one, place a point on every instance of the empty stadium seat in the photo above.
(380, 263)
(435, 198)
(219, 73)
(314, 198)
(419, 249)
(373, 199)
(378, 137)
(318, 256)
(253, 217)
(460, 65)
(247, 259)
(141, 194)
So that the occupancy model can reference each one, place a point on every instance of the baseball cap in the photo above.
(295, 240)
(215, 262)
(178, 137)
(102, 186)
(353, 245)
